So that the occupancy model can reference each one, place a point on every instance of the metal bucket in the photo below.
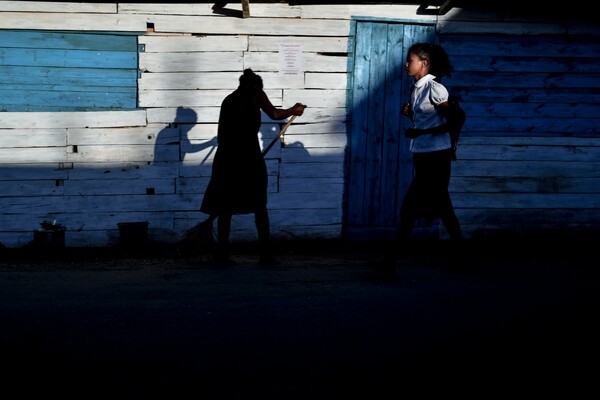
(133, 234)
(49, 238)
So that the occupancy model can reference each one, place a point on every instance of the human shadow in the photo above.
(199, 237)
(177, 133)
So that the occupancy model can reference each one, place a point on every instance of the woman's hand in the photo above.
(298, 109)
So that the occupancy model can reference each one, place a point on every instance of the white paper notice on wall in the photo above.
(290, 58)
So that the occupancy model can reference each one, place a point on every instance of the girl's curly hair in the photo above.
(439, 63)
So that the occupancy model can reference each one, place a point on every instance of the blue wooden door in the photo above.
(379, 164)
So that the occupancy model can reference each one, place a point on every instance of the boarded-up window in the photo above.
(67, 71)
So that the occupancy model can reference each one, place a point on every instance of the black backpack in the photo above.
(455, 122)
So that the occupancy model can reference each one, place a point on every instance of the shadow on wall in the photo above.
(117, 177)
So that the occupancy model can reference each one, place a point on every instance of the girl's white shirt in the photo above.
(427, 94)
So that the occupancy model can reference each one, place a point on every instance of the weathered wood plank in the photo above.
(121, 171)
(33, 171)
(119, 153)
(311, 185)
(531, 141)
(168, 115)
(33, 154)
(516, 218)
(531, 109)
(526, 200)
(575, 48)
(331, 98)
(16, 100)
(284, 219)
(347, 11)
(214, 80)
(522, 152)
(256, 9)
(199, 152)
(32, 138)
(447, 27)
(522, 95)
(58, 6)
(199, 131)
(309, 44)
(21, 39)
(27, 223)
(584, 28)
(84, 204)
(66, 78)
(336, 141)
(31, 188)
(186, 98)
(526, 65)
(192, 184)
(69, 58)
(501, 168)
(304, 201)
(184, 44)
(116, 187)
(269, 61)
(529, 126)
(296, 152)
(541, 184)
(211, 115)
(311, 169)
(189, 62)
(249, 26)
(532, 80)
(320, 115)
(95, 119)
(301, 128)
(152, 134)
(65, 21)
(326, 80)
(193, 98)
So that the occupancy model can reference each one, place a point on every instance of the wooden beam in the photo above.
(245, 8)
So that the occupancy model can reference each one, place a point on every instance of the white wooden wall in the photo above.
(92, 170)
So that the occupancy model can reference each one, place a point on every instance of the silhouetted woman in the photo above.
(238, 184)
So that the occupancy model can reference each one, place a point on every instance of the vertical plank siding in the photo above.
(140, 147)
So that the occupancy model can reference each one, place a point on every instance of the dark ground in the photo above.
(113, 322)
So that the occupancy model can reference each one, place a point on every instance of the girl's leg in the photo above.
(445, 207)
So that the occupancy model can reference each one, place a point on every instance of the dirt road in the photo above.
(323, 323)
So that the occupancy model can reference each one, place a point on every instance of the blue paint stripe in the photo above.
(67, 98)
(68, 58)
(67, 76)
(73, 41)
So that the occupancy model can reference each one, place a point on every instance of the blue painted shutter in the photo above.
(60, 71)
